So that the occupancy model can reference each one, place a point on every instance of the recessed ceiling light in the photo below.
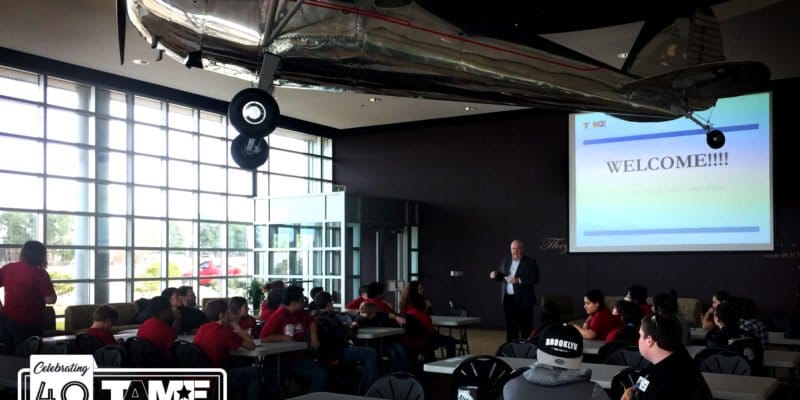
(374, 99)
(622, 55)
(470, 108)
(139, 61)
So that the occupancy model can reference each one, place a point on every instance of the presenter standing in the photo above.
(517, 274)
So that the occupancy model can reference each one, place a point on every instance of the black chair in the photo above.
(722, 361)
(31, 345)
(517, 349)
(55, 348)
(143, 353)
(623, 379)
(110, 356)
(87, 344)
(752, 349)
(189, 355)
(487, 373)
(397, 386)
(628, 356)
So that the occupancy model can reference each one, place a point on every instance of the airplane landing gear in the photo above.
(249, 153)
(254, 113)
(714, 137)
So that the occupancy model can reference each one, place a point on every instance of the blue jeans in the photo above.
(369, 357)
(306, 368)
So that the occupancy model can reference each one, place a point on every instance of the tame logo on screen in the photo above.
(76, 377)
(594, 124)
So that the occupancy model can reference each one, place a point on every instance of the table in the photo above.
(450, 322)
(378, 332)
(775, 338)
(727, 387)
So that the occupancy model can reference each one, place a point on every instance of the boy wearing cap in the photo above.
(557, 372)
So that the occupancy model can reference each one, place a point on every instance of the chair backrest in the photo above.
(609, 348)
(488, 373)
(189, 355)
(722, 361)
(397, 386)
(109, 356)
(142, 353)
(623, 379)
(750, 348)
(55, 348)
(517, 349)
(628, 356)
(31, 345)
(87, 344)
(517, 372)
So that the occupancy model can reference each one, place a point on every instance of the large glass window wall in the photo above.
(132, 194)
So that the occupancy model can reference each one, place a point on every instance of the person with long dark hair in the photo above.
(28, 289)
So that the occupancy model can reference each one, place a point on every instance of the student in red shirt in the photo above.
(638, 294)
(353, 306)
(27, 290)
(271, 303)
(291, 323)
(266, 308)
(600, 321)
(223, 335)
(103, 318)
(375, 293)
(238, 306)
(158, 328)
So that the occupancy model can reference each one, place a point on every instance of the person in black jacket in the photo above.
(672, 374)
(518, 274)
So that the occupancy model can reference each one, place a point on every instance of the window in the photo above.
(134, 189)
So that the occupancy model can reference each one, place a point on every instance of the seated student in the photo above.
(631, 316)
(223, 335)
(291, 323)
(749, 321)
(375, 294)
(708, 318)
(334, 342)
(142, 310)
(191, 317)
(239, 308)
(414, 287)
(266, 289)
(158, 328)
(557, 372)
(171, 294)
(271, 303)
(103, 319)
(353, 306)
(667, 304)
(600, 321)
(312, 306)
(726, 318)
(421, 336)
(551, 314)
(638, 295)
(672, 373)
(369, 317)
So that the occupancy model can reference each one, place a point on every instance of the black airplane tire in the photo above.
(254, 113)
(249, 160)
(715, 139)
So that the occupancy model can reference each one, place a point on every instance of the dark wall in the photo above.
(484, 183)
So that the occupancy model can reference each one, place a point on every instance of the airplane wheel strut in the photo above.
(254, 113)
(249, 153)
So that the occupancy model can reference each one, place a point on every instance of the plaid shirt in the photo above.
(755, 328)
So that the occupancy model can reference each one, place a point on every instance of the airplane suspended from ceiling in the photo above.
(675, 68)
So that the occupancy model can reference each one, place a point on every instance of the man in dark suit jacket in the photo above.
(518, 274)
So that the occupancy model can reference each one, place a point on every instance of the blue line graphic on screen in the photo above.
(661, 135)
(657, 186)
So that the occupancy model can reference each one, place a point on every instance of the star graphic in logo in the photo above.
(184, 393)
